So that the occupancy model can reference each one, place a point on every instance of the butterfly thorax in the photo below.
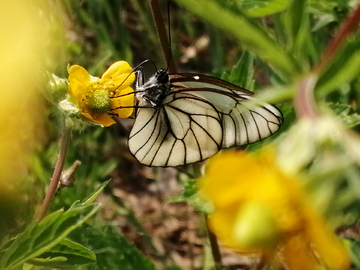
(155, 89)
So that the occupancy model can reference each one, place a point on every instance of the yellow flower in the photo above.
(97, 97)
(260, 209)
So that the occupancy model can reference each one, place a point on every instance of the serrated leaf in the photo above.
(41, 236)
(351, 120)
(112, 250)
(66, 254)
(344, 112)
(340, 109)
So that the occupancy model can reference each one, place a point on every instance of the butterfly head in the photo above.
(155, 89)
(162, 76)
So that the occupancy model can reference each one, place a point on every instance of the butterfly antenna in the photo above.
(169, 58)
(161, 30)
(143, 63)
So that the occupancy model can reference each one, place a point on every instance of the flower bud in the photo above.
(57, 88)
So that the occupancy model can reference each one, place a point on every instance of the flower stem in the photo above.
(304, 102)
(57, 173)
(215, 250)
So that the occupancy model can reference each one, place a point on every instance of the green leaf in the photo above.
(247, 32)
(242, 74)
(27, 266)
(94, 195)
(262, 8)
(340, 109)
(346, 113)
(351, 120)
(293, 17)
(349, 70)
(354, 247)
(191, 196)
(112, 250)
(297, 27)
(91, 198)
(65, 254)
(41, 236)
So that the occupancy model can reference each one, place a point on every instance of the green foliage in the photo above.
(243, 73)
(112, 250)
(354, 247)
(343, 69)
(259, 42)
(348, 117)
(65, 254)
(262, 8)
(41, 236)
(191, 196)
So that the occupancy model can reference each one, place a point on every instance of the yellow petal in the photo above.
(221, 223)
(123, 101)
(87, 116)
(116, 75)
(102, 119)
(327, 246)
(79, 80)
(231, 176)
(296, 255)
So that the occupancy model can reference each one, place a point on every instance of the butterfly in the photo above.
(183, 118)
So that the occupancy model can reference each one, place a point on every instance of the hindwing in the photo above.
(186, 129)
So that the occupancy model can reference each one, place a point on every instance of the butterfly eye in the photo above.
(162, 76)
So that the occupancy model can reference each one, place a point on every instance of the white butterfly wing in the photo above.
(186, 129)
(244, 119)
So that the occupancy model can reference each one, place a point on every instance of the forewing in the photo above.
(244, 119)
(186, 129)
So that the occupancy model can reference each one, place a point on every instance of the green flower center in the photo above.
(99, 101)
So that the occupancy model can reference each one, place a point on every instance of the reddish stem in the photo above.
(349, 25)
(304, 102)
(56, 175)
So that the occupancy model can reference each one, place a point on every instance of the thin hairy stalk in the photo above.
(65, 136)
(304, 102)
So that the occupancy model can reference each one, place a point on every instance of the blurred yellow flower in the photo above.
(97, 97)
(259, 209)
(27, 42)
